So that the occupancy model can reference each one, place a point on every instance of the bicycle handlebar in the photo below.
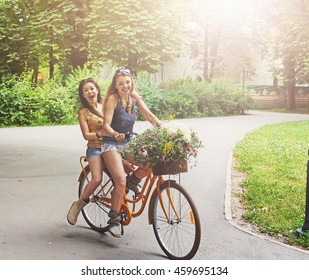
(128, 134)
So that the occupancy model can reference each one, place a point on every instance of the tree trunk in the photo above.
(51, 63)
(132, 63)
(291, 104)
(78, 58)
(206, 56)
(79, 54)
(35, 67)
(51, 53)
(214, 55)
(289, 70)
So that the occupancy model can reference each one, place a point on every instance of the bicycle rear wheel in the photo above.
(96, 211)
(179, 233)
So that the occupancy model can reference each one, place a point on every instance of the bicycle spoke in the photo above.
(96, 213)
(177, 229)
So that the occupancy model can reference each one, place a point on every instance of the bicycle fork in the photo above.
(171, 203)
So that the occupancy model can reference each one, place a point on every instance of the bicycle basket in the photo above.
(170, 167)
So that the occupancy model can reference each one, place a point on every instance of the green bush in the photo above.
(187, 98)
(19, 103)
(57, 104)
(152, 95)
(56, 101)
(182, 98)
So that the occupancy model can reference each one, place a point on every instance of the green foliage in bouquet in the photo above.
(171, 142)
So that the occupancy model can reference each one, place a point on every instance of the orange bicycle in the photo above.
(171, 211)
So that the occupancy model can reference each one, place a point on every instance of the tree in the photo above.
(60, 28)
(36, 33)
(13, 34)
(284, 39)
(215, 28)
(139, 34)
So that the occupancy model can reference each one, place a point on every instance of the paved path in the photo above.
(39, 167)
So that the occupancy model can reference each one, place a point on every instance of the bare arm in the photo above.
(84, 127)
(109, 109)
(136, 97)
(148, 115)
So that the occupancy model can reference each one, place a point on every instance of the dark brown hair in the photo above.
(83, 100)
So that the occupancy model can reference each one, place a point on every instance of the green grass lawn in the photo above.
(274, 158)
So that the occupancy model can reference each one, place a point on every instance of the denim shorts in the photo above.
(121, 146)
(90, 152)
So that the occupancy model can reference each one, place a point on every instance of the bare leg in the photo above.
(135, 178)
(141, 172)
(96, 168)
(114, 164)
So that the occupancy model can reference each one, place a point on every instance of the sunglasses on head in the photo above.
(89, 80)
(123, 71)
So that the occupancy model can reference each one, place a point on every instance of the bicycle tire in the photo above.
(179, 237)
(96, 213)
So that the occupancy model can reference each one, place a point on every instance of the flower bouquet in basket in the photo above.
(166, 149)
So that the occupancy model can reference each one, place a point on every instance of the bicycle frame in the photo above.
(150, 180)
(171, 211)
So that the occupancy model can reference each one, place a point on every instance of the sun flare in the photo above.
(230, 13)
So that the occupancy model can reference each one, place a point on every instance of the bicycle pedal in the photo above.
(124, 216)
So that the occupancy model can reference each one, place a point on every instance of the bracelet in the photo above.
(115, 134)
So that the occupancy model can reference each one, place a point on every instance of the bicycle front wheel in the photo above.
(176, 222)
(96, 211)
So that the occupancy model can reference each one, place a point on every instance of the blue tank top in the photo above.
(122, 122)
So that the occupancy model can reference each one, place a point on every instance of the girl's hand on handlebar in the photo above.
(119, 137)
